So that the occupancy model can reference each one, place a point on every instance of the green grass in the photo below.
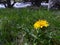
(16, 22)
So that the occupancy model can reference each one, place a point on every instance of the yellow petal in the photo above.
(41, 26)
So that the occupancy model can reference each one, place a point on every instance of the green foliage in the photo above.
(18, 24)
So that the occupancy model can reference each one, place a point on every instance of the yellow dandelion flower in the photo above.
(41, 24)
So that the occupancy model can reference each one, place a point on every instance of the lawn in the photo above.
(16, 27)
